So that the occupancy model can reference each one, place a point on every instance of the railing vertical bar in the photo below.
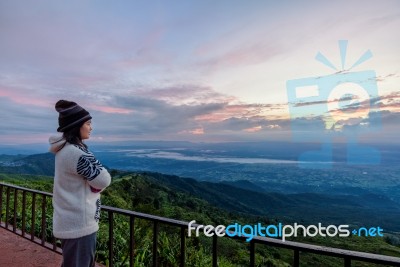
(43, 219)
(131, 240)
(1, 202)
(33, 216)
(7, 206)
(155, 243)
(54, 243)
(296, 260)
(214, 251)
(252, 260)
(15, 210)
(347, 262)
(23, 212)
(111, 237)
(183, 245)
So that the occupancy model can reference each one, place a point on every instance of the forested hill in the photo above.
(362, 210)
(37, 164)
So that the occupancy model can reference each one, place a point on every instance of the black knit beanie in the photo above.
(70, 115)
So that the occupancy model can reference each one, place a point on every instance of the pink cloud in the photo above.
(108, 109)
(186, 94)
(390, 102)
(253, 129)
(239, 111)
(197, 131)
(21, 97)
(273, 126)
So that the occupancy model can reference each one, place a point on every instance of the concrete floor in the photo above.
(16, 251)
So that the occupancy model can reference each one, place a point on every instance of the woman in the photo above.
(79, 178)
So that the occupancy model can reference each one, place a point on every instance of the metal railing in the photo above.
(10, 223)
(11, 192)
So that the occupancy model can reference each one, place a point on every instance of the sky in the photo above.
(201, 71)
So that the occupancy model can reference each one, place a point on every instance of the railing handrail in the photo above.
(322, 250)
(295, 246)
(141, 215)
(329, 251)
(47, 194)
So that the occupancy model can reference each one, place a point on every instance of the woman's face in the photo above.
(85, 130)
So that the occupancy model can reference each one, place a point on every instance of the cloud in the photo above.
(179, 112)
(184, 94)
(336, 100)
(145, 118)
(243, 110)
(153, 117)
(21, 97)
(274, 126)
(241, 56)
(108, 109)
(163, 72)
(198, 131)
(253, 129)
(386, 77)
(25, 119)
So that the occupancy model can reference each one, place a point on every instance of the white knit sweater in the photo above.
(76, 206)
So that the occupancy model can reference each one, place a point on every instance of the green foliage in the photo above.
(41, 206)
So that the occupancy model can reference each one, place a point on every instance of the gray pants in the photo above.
(79, 252)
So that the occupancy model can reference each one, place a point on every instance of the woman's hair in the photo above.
(73, 136)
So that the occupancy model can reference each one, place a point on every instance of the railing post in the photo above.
(1, 201)
(252, 252)
(215, 251)
(54, 243)
(182, 256)
(296, 260)
(131, 240)
(23, 213)
(347, 262)
(155, 243)
(33, 216)
(15, 210)
(111, 237)
(43, 219)
(7, 206)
